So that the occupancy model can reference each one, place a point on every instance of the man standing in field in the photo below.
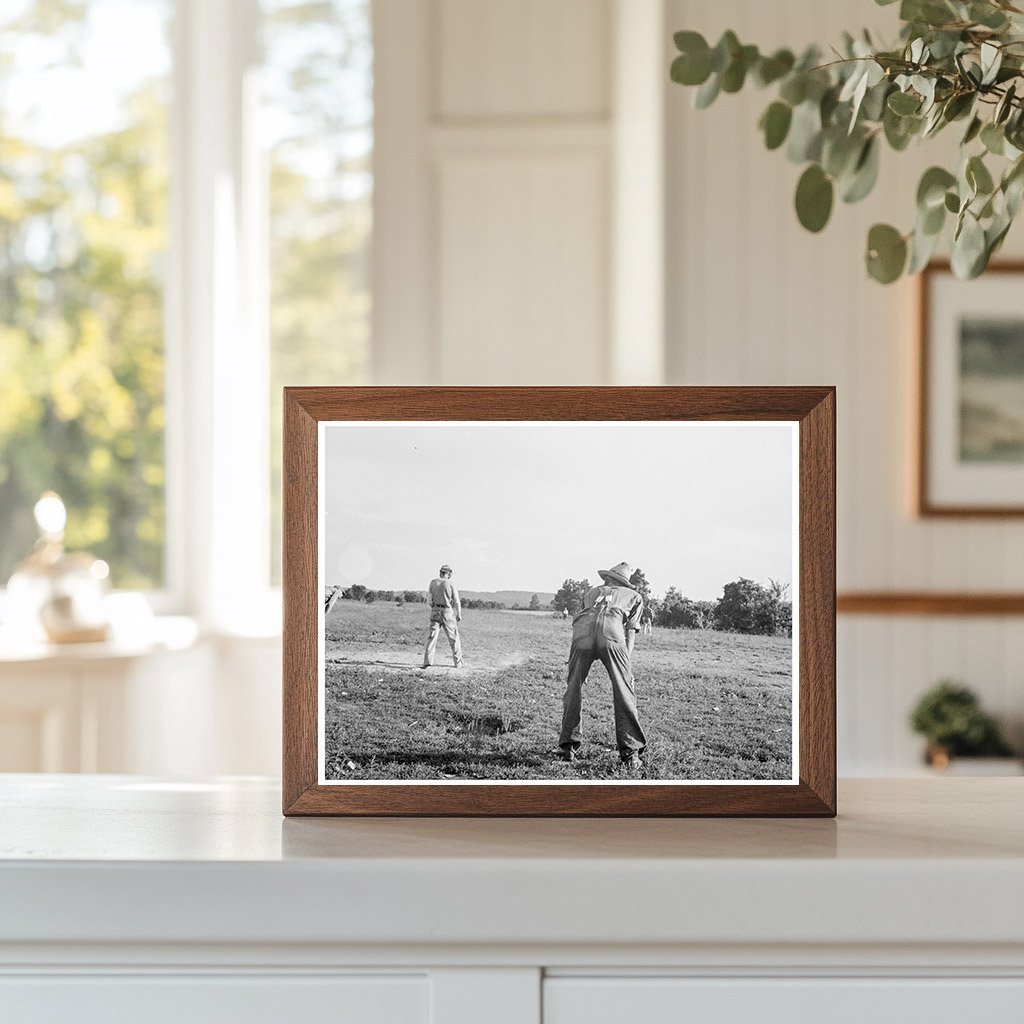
(605, 630)
(647, 620)
(446, 614)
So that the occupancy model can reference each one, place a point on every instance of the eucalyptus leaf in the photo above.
(1005, 105)
(707, 93)
(827, 106)
(930, 12)
(932, 221)
(925, 88)
(904, 103)
(865, 173)
(814, 195)
(991, 60)
(900, 130)
(886, 253)
(735, 74)
(840, 152)
(973, 130)
(873, 106)
(771, 69)
(1013, 187)
(987, 15)
(794, 88)
(775, 124)
(931, 190)
(968, 248)
(993, 138)
(934, 121)
(978, 176)
(922, 248)
(805, 133)
(958, 105)
(1014, 192)
(995, 233)
(725, 49)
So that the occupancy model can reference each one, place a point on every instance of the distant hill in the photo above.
(508, 597)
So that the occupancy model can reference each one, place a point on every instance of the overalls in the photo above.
(598, 633)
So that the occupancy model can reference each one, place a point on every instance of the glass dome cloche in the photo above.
(57, 595)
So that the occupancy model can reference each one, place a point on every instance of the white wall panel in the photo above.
(495, 203)
(754, 299)
(525, 58)
(521, 275)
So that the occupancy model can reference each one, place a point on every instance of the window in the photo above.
(317, 117)
(83, 236)
(167, 264)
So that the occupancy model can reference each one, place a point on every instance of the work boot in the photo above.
(632, 763)
(566, 754)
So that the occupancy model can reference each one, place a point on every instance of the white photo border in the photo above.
(321, 654)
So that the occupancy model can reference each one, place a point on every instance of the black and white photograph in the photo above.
(558, 602)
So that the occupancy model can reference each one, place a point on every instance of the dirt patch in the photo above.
(406, 660)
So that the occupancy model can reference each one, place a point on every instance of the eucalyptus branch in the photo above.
(952, 62)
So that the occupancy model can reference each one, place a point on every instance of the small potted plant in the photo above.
(950, 717)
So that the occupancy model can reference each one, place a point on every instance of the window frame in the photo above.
(215, 318)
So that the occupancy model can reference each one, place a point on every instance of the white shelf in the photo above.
(122, 859)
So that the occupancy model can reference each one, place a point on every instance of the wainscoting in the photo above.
(751, 298)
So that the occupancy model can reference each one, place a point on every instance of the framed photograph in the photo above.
(970, 450)
(559, 601)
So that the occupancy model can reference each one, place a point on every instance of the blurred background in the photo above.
(202, 201)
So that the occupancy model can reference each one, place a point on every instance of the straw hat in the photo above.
(618, 575)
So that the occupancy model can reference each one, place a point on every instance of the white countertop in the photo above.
(122, 859)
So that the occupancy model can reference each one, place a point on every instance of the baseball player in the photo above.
(445, 614)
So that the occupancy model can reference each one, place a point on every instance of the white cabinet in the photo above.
(126, 899)
(98, 707)
(173, 704)
(829, 1000)
(203, 999)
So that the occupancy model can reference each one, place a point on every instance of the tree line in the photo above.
(744, 607)
(357, 592)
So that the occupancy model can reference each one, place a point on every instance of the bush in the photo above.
(570, 595)
(675, 611)
(950, 716)
(749, 607)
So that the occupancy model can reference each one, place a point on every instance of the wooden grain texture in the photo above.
(817, 599)
(922, 500)
(299, 588)
(925, 603)
(814, 410)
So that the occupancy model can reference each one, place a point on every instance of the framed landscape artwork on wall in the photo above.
(559, 601)
(970, 450)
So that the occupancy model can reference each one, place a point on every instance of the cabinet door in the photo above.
(202, 999)
(783, 1000)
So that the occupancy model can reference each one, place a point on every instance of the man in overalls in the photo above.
(605, 630)
(446, 614)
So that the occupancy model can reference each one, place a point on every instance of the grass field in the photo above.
(713, 705)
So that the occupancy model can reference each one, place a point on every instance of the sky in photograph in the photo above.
(522, 506)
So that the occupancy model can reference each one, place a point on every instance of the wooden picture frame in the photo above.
(940, 488)
(811, 791)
